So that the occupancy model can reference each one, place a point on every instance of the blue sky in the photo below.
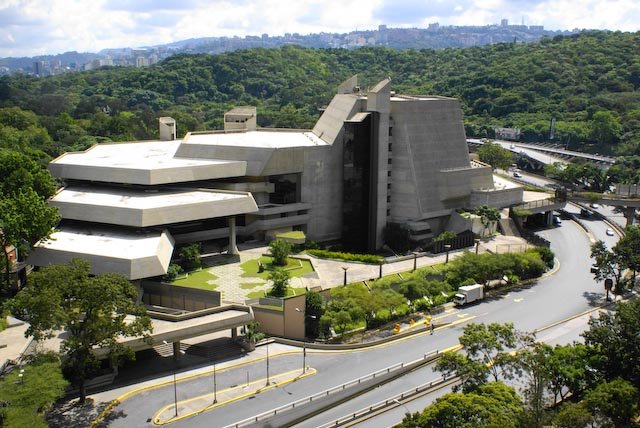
(35, 27)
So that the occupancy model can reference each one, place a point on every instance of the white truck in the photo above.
(468, 293)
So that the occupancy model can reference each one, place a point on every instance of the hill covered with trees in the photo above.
(588, 82)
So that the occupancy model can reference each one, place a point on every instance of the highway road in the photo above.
(571, 290)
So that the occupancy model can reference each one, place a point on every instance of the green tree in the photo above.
(190, 257)
(314, 309)
(610, 264)
(495, 155)
(491, 405)
(28, 397)
(25, 219)
(605, 127)
(280, 279)
(25, 216)
(488, 216)
(280, 250)
(573, 415)
(487, 354)
(92, 309)
(614, 340)
(614, 403)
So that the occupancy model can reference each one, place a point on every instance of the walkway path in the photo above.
(330, 273)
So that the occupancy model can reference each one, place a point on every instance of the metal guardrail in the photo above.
(388, 402)
(326, 393)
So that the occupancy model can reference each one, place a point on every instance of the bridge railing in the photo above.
(334, 390)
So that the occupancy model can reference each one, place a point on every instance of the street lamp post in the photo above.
(447, 247)
(268, 365)
(345, 269)
(304, 357)
(477, 241)
(380, 273)
(415, 260)
(175, 392)
(215, 385)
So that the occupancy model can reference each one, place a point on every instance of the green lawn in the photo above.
(197, 280)
(250, 285)
(295, 267)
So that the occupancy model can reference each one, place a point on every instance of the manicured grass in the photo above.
(295, 267)
(197, 280)
(250, 285)
(256, 294)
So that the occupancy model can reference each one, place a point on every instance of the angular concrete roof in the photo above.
(265, 138)
(146, 163)
(131, 254)
(265, 152)
(139, 208)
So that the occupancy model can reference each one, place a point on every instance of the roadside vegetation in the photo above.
(595, 383)
(393, 297)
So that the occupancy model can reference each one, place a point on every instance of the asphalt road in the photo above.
(571, 290)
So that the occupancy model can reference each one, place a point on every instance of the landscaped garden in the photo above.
(360, 306)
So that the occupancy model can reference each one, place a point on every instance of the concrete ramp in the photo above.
(508, 227)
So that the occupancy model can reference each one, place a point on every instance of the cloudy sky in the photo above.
(35, 27)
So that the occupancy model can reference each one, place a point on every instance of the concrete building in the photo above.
(372, 159)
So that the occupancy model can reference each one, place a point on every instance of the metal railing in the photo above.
(389, 402)
(328, 392)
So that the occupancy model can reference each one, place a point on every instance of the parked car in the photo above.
(610, 232)
(516, 174)
(556, 220)
(594, 268)
(594, 206)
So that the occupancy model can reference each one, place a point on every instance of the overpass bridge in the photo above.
(537, 156)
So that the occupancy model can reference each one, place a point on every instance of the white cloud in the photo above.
(32, 27)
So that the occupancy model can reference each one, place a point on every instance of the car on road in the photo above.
(584, 213)
(516, 174)
(610, 232)
(594, 205)
(594, 268)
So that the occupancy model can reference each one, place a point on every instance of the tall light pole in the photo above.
(447, 247)
(380, 273)
(415, 260)
(267, 365)
(215, 385)
(304, 357)
(175, 391)
(345, 269)
(477, 241)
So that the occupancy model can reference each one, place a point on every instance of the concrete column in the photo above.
(629, 214)
(234, 333)
(549, 219)
(233, 248)
(176, 350)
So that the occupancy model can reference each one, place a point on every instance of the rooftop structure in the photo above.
(373, 159)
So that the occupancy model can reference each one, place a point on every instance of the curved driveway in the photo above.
(571, 290)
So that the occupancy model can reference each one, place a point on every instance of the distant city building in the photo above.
(504, 22)
(372, 160)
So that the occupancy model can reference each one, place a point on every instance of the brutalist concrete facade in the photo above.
(373, 159)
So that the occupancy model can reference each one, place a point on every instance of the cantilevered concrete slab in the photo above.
(266, 152)
(134, 255)
(139, 208)
(146, 163)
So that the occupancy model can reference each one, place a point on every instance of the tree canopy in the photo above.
(95, 310)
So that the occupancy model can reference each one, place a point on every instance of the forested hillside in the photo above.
(588, 82)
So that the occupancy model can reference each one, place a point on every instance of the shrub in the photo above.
(280, 250)
(365, 258)
(190, 256)
(174, 271)
(447, 235)
(546, 254)
(280, 279)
